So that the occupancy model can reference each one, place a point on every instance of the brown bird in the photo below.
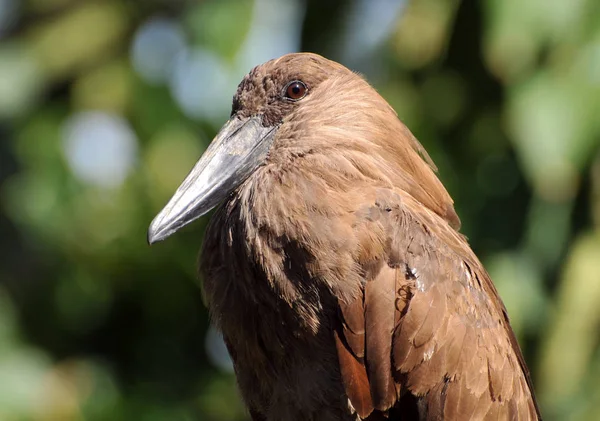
(333, 265)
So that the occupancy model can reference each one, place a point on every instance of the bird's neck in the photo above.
(277, 245)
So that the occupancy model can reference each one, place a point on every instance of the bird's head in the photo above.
(267, 96)
(284, 109)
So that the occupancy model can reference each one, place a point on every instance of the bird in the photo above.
(333, 264)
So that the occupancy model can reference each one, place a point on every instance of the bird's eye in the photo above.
(295, 90)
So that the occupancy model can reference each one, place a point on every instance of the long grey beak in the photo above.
(238, 149)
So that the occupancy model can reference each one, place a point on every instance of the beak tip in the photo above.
(152, 238)
(156, 231)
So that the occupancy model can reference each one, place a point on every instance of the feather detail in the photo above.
(354, 377)
(379, 322)
(353, 322)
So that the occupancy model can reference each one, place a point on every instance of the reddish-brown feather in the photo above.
(354, 376)
(353, 322)
(379, 326)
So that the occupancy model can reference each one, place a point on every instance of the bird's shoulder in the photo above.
(428, 329)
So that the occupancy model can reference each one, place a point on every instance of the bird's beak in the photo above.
(238, 149)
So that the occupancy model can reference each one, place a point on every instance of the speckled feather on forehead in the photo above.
(260, 92)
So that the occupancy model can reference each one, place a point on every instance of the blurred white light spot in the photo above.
(200, 84)
(216, 350)
(100, 148)
(203, 84)
(276, 30)
(369, 24)
(155, 46)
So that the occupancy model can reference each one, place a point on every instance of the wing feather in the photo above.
(379, 327)
(354, 376)
(430, 324)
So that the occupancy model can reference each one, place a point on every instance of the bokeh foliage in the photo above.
(106, 104)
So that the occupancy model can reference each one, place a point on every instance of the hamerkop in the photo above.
(333, 265)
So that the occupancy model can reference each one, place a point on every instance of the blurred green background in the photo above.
(105, 105)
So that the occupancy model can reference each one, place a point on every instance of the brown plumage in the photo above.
(333, 265)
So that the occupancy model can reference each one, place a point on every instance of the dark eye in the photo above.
(295, 90)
